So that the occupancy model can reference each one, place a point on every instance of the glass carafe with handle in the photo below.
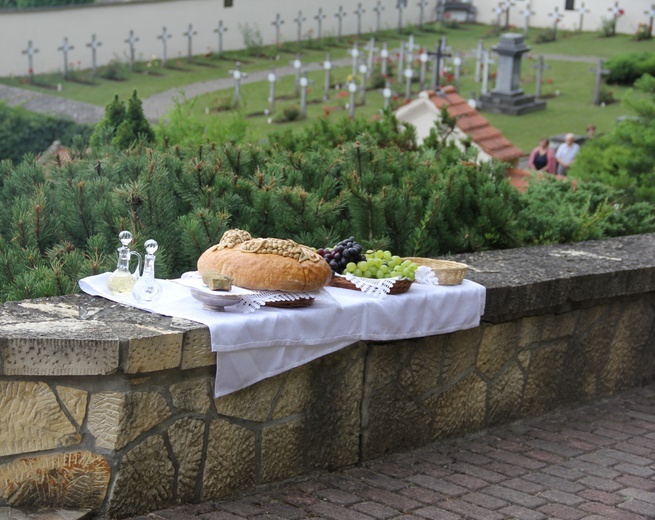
(147, 288)
(122, 280)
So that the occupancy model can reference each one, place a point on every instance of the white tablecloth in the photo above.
(253, 346)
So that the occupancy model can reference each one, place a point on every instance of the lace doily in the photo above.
(380, 287)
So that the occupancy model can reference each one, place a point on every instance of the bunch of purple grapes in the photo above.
(347, 250)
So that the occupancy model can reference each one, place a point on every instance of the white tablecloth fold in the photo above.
(252, 347)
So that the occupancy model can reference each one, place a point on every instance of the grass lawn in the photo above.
(571, 110)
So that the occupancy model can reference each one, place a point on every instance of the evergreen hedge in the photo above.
(61, 221)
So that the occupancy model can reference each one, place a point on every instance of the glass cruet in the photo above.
(122, 280)
(147, 288)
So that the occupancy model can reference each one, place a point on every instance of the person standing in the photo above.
(542, 158)
(566, 153)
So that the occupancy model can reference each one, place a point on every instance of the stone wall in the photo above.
(111, 409)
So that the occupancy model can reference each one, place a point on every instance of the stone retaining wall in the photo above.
(111, 409)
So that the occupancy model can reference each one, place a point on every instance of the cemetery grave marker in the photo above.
(507, 5)
(359, 12)
(478, 60)
(220, 30)
(378, 11)
(409, 73)
(278, 23)
(384, 56)
(363, 71)
(400, 6)
(599, 71)
(651, 16)
(401, 61)
(327, 66)
(94, 44)
(131, 41)
(304, 82)
(457, 63)
(556, 16)
(190, 34)
(437, 56)
(299, 22)
(354, 52)
(527, 13)
(582, 11)
(387, 93)
(372, 49)
(540, 66)
(237, 75)
(616, 13)
(499, 13)
(423, 60)
(421, 6)
(320, 17)
(340, 15)
(272, 78)
(297, 66)
(164, 36)
(30, 51)
(352, 88)
(65, 49)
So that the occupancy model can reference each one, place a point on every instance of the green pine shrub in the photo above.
(627, 68)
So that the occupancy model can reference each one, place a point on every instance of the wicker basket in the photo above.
(448, 273)
(400, 286)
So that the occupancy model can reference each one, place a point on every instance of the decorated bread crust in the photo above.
(266, 263)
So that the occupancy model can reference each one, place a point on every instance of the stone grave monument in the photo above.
(508, 97)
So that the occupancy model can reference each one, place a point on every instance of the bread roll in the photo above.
(266, 263)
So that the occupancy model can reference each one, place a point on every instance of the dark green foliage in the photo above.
(627, 68)
(61, 221)
(24, 132)
(121, 127)
(25, 4)
(625, 157)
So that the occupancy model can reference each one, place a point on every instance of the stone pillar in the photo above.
(510, 51)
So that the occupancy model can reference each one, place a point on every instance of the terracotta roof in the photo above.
(487, 137)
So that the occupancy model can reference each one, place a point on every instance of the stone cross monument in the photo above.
(190, 34)
(421, 6)
(340, 15)
(359, 12)
(540, 66)
(131, 41)
(507, 97)
(164, 36)
(30, 51)
(237, 75)
(278, 23)
(93, 44)
(400, 6)
(65, 49)
(320, 17)
(299, 22)
(378, 11)
(220, 30)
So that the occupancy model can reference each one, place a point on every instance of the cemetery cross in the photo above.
(30, 51)
(278, 23)
(540, 66)
(93, 44)
(352, 88)
(485, 71)
(272, 78)
(400, 6)
(423, 59)
(372, 49)
(237, 75)
(421, 13)
(220, 30)
(599, 71)
(508, 4)
(354, 52)
(190, 34)
(438, 54)
(65, 48)
(478, 60)
(340, 15)
(320, 17)
(304, 82)
(384, 56)
(616, 12)
(359, 12)
(297, 66)
(401, 61)
(651, 16)
(457, 62)
(527, 13)
(499, 12)
(299, 22)
(556, 15)
(378, 11)
(165, 35)
(131, 41)
(583, 10)
(327, 66)
(363, 71)
(386, 93)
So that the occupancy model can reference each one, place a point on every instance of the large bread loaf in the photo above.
(266, 263)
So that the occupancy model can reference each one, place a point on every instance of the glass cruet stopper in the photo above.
(122, 280)
(147, 288)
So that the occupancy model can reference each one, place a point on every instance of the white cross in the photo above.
(556, 16)
(320, 17)
(165, 35)
(272, 78)
(616, 11)
(237, 75)
(384, 56)
(93, 44)
(297, 65)
(354, 52)
(327, 66)
(421, 6)
(400, 6)
(583, 10)
(378, 11)
(220, 30)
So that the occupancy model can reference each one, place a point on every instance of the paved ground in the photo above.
(158, 105)
(592, 462)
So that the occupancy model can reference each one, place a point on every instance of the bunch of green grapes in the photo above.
(382, 264)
